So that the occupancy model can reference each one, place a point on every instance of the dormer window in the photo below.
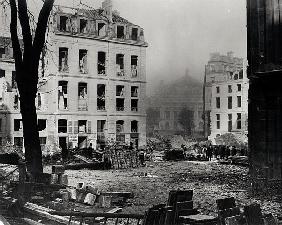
(134, 33)
(63, 23)
(83, 26)
(120, 31)
(101, 29)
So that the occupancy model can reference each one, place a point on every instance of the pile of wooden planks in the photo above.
(121, 158)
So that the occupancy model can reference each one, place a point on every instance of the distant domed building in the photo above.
(168, 102)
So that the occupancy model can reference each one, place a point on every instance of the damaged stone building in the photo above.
(225, 96)
(92, 85)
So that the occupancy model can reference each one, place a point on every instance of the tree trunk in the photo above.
(33, 154)
(27, 63)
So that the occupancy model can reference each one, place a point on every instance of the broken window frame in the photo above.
(217, 102)
(241, 74)
(134, 66)
(83, 55)
(229, 88)
(18, 125)
(63, 64)
(42, 141)
(229, 102)
(230, 122)
(120, 31)
(120, 91)
(218, 121)
(134, 91)
(101, 126)
(119, 126)
(62, 126)
(63, 23)
(101, 97)
(120, 65)
(63, 92)
(38, 101)
(82, 126)
(82, 96)
(101, 30)
(134, 36)
(84, 29)
(134, 126)
(239, 101)
(134, 105)
(239, 87)
(2, 73)
(13, 82)
(16, 102)
(120, 104)
(2, 52)
(101, 64)
(18, 140)
(41, 124)
(239, 121)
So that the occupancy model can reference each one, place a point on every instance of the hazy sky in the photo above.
(181, 33)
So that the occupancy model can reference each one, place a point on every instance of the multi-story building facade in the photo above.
(93, 81)
(219, 70)
(229, 105)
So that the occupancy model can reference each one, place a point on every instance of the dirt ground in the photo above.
(209, 180)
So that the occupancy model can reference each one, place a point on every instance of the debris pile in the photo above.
(122, 157)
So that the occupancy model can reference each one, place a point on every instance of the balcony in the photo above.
(120, 109)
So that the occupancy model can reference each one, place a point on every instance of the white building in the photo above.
(229, 105)
(93, 83)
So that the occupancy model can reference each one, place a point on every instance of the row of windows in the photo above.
(101, 99)
(239, 88)
(229, 102)
(101, 62)
(79, 126)
(238, 121)
(99, 28)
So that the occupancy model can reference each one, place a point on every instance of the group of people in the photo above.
(222, 151)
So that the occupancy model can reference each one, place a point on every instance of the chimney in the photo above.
(107, 6)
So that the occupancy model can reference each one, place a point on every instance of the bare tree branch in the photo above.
(24, 20)
(14, 35)
(41, 28)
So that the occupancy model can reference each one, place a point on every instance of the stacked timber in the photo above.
(122, 158)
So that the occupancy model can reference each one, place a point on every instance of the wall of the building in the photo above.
(218, 70)
(49, 109)
(223, 111)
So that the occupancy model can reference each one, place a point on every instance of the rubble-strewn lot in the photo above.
(209, 180)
